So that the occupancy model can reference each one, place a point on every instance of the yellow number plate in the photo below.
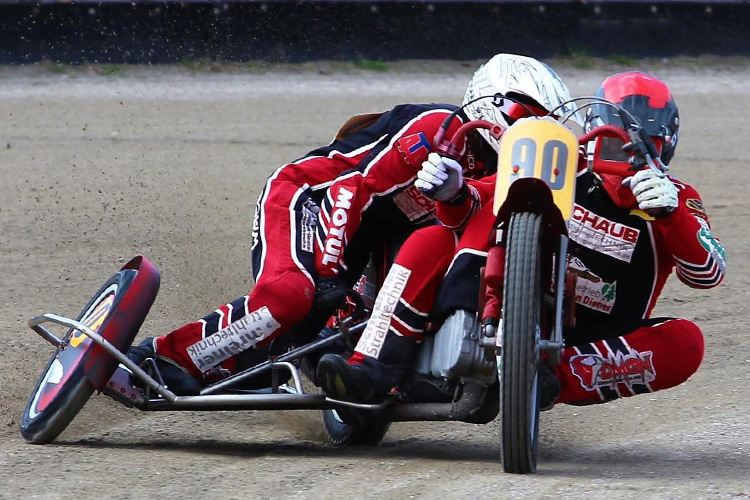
(541, 148)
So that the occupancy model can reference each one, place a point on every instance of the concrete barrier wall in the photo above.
(299, 31)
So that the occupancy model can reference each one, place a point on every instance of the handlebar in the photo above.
(452, 147)
(606, 131)
(632, 142)
(612, 167)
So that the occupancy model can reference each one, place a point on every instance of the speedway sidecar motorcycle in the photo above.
(465, 372)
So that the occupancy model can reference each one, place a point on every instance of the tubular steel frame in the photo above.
(209, 399)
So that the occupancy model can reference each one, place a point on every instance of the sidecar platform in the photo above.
(219, 396)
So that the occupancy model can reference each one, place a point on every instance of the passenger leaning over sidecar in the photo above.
(627, 236)
(316, 222)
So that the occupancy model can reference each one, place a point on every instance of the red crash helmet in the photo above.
(645, 97)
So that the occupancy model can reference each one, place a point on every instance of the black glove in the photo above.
(330, 293)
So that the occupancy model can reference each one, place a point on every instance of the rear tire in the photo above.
(518, 361)
(342, 434)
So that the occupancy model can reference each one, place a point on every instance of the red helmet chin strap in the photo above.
(621, 195)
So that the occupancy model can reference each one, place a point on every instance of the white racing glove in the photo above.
(652, 191)
(440, 178)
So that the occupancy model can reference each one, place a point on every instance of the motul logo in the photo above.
(598, 223)
(339, 217)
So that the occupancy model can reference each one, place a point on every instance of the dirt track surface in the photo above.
(95, 169)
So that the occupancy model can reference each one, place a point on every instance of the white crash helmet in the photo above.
(530, 81)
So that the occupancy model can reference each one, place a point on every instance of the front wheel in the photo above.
(341, 434)
(518, 359)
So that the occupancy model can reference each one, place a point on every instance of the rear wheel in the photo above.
(519, 358)
(369, 433)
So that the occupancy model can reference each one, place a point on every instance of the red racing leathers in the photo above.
(622, 258)
(360, 183)
(400, 315)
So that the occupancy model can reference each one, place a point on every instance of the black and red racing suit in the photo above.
(622, 258)
(318, 216)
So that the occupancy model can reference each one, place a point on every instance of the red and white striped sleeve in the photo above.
(699, 256)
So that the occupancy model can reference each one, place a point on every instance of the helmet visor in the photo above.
(657, 122)
(610, 148)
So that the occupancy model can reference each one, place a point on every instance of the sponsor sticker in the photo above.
(595, 371)
(414, 148)
(339, 218)
(307, 226)
(413, 203)
(371, 341)
(597, 296)
(591, 290)
(255, 234)
(696, 208)
(233, 339)
(695, 205)
(603, 235)
(711, 244)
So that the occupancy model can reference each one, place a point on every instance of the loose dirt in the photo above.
(96, 168)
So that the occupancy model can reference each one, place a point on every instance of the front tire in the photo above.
(46, 426)
(519, 358)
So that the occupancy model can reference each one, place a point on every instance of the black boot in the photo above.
(548, 386)
(141, 352)
(175, 378)
(370, 379)
(345, 382)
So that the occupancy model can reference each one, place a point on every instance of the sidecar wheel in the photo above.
(79, 365)
(342, 434)
(44, 427)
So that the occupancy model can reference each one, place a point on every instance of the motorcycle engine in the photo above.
(455, 352)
